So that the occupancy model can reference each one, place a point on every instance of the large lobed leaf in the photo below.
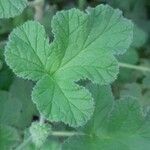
(115, 125)
(11, 8)
(84, 47)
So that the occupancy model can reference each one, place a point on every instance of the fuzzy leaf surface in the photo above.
(123, 126)
(11, 8)
(84, 46)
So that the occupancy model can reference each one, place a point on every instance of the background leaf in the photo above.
(16, 107)
(123, 127)
(11, 8)
(9, 137)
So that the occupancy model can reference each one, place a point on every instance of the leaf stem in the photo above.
(140, 68)
(66, 133)
(21, 147)
(54, 133)
(42, 120)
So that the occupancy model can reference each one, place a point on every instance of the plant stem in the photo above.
(66, 133)
(140, 68)
(41, 120)
(21, 147)
(54, 133)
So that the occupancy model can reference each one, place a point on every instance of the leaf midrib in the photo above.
(83, 49)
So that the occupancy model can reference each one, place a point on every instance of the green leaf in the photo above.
(84, 47)
(103, 104)
(123, 5)
(9, 109)
(63, 101)
(133, 89)
(11, 8)
(50, 144)
(21, 91)
(26, 53)
(139, 37)
(140, 92)
(6, 75)
(39, 133)
(16, 107)
(146, 81)
(119, 127)
(9, 137)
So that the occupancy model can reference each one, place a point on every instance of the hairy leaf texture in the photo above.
(115, 125)
(84, 46)
(11, 8)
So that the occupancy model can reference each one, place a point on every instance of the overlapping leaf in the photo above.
(84, 47)
(117, 126)
(140, 92)
(9, 137)
(11, 8)
(6, 75)
(16, 107)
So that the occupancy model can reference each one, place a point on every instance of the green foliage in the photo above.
(50, 144)
(16, 107)
(131, 57)
(140, 92)
(146, 81)
(39, 133)
(115, 125)
(80, 40)
(9, 137)
(11, 8)
(70, 60)
(6, 75)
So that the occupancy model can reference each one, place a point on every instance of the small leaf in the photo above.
(39, 133)
(11, 8)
